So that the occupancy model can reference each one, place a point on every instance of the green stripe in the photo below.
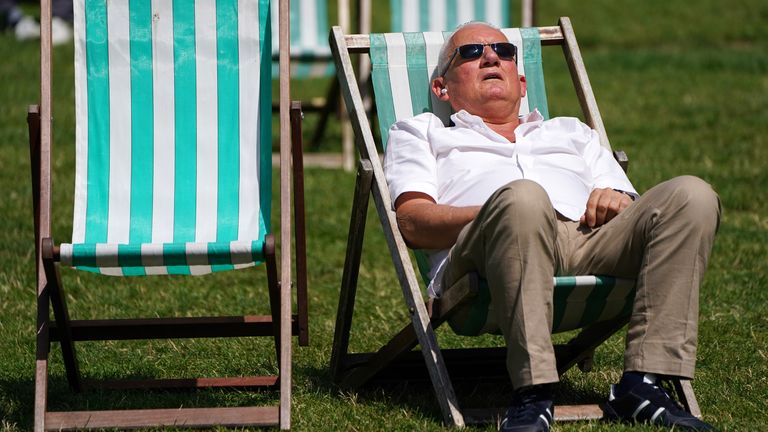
(596, 302)
(185, 112)
(564, 286)
(506, 18)
(322, 22)
(142, 121)
(265, 120)
(534, 72)
(451, 14)
(97, 71)
(478, 313)
(396, 15)
(480, 11)
(424, 15)
(295, 29)
(228, 120)
(381, 86)
(418, 76)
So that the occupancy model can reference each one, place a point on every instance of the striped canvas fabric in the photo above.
(578, 302)
(310, 49)
(173, 171)
(403, 65)
(440, 15)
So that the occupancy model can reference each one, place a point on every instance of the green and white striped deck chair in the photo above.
(310, 52)
(173, 177)
(402, 65)
(440, 15)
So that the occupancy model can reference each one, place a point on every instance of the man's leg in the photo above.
(664, 240)
(511, 244)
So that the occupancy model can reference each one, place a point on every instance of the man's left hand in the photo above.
(603, 205)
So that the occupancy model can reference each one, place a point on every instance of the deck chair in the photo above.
(311, 58)
(173, 177)
(402, 66)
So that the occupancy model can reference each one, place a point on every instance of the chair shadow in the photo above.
(416, 394)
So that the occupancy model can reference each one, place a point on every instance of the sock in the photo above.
(630, 379)
(534, 393)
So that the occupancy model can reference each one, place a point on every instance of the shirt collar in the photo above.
(464, 119)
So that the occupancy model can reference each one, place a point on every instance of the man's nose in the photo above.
(489, 56)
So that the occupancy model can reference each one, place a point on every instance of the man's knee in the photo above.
(697, 201)
(526, 198)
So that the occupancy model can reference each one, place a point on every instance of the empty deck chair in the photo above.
(173, 177)
(402, 66)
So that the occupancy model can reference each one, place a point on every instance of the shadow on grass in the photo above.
(417, 395)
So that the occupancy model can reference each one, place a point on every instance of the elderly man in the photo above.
(519, 200)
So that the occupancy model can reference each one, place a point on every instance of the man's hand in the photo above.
(603, 205)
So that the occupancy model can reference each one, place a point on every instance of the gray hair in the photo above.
(447, 50)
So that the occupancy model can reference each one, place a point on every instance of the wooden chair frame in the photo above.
(396, 359)
(280, 324)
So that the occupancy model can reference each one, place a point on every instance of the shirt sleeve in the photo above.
(409, 162)
(606, 171)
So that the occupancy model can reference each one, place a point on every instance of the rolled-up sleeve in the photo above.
(409, 162)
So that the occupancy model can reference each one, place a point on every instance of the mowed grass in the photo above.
(682, 89)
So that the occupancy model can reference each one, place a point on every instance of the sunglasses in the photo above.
(505, 51)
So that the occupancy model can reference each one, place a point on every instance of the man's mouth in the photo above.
(492, 76)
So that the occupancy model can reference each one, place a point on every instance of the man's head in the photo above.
(482, 77)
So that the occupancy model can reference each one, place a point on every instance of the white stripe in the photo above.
(81, 125)
(164, 122)
(248, 30)
(574, 307)
(410, 16)
(438, 18)
(65, 254)
(398, 75)
(106, 255)
(516, 38)
(307, 26)
(657, 414)
(640, 408)
(118, 226)
(111, 271)
(152, 254)
(465, 11)
(493, 13)
(207, 121)
(274, 16)
(543, 417)
(434, 41)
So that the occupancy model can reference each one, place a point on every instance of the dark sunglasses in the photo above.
(505, 51)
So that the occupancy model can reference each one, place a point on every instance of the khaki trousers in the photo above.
(663, 240)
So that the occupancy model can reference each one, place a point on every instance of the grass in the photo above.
(681, 87)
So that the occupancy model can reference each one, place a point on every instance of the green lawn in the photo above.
(683, 89)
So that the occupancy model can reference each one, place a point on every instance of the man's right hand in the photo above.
(428, 225)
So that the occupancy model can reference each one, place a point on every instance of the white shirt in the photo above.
(464, 164)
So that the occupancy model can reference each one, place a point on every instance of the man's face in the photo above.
(488, 86)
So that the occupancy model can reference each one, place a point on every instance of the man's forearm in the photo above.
(426, 225)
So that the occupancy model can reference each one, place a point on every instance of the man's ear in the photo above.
(438, 85)
(523, 86)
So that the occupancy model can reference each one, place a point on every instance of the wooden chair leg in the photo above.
(355, 237)
(274, 289)
(297, 152)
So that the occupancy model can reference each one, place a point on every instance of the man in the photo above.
(519, 200)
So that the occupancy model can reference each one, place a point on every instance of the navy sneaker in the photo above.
(649, 403)
(531, 411)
